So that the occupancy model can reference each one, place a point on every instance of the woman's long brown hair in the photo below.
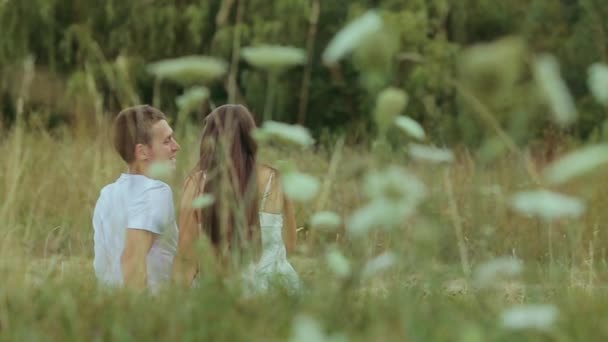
(228, 162)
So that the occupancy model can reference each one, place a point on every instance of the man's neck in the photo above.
(137, 169)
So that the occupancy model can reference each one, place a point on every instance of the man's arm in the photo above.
(134, 258)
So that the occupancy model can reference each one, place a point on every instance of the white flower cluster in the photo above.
(394, 195)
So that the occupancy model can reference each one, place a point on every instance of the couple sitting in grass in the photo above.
(248, 225)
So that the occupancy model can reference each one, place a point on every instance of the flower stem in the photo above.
(272, 78)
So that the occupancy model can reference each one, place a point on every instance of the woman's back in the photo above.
(273, 264)
(277, 226)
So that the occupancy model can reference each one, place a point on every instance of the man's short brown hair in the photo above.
(133, 126)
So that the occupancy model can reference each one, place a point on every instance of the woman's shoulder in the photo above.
(267, 169)
(269, 174)
(194, 182)
(271, 189)
(270, 182)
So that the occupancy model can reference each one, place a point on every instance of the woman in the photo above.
(248, 203)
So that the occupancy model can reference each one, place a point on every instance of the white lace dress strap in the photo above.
(266, 192)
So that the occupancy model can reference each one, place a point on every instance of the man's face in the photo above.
(163, 146)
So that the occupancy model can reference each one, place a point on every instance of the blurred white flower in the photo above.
(496, 271)
(456, 287)
(553, 87)
(536, 317)
(410, 126)
(352, 36)
(379, 264)
(325, 220)
(597, 81)
(365, 218)
(389, 104)
(395, 183)
(338, 263)
(203, 201)
(189, 69)
(547, 205)
(192, 98)
(502, 60)
(273, 57)
(430, 154)
(160, 169)
(294, 134)
(307, 329)
(395, 195)
(300, 187)
(380, 213)
(576, 163)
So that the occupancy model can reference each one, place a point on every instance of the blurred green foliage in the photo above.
(419, 51)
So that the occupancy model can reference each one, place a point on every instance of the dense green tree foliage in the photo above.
(91, 51)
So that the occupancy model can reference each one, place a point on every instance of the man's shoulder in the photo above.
(106, 190)
(153, 189)
(136, 191)
(156, 186)
(157, 197)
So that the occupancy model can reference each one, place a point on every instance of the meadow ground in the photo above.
(547, 281)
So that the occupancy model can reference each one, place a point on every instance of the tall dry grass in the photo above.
(50, 181)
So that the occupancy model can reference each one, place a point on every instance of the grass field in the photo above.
(436, 286)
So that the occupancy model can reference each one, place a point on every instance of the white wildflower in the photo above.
(389, 104)
(597, 82)
(503, 59)
(203, 201)
(410, 126)
(576, 163)
(189, 69)
(294, 134)
(547, 74)
(379, 264)
(395, 195)
(192, 98)
(307, 329)
(380, 213)
(395, 183)
(161, 169)
(456, 287)
(365, 218)
(326, 220)
(352, 36)
(338, 263)
(496, 271)
(547, 205)
(300, 187)
(536, 317)
(430, 154)
(273, 57)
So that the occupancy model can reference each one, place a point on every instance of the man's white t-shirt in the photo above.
(134, 202)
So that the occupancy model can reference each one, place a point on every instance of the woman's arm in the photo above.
(289, 217)
(186, 264)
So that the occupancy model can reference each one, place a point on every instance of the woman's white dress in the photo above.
(273, 268)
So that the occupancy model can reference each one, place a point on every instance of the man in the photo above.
(135, 234)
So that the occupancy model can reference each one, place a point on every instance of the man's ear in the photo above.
(141, 152)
